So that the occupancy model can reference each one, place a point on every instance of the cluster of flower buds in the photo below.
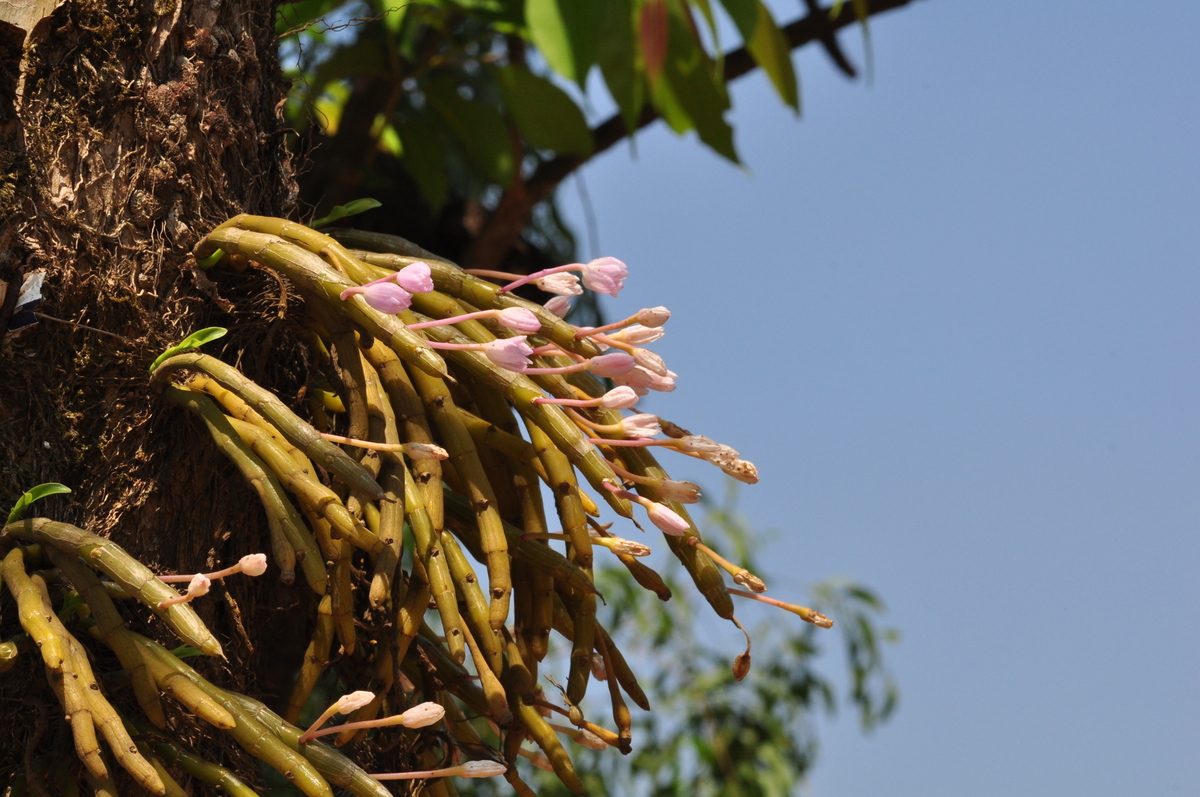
(416, 717)
(635, 370)
(254, 564)
(419, 716)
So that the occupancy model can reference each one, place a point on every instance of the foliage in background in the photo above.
(708, 735)
(464, 116)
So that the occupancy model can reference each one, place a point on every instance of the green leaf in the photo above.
(546, 116)
(186, 652)
(478, 126)
(424, 157)
(35, 494)
(192, 341)
(767, 45)
(617, 56)
(694, 89)
(565, 33)
(349, 209)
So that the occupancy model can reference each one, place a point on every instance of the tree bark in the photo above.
(128, 130)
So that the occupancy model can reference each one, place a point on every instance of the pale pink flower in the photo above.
(605, 275)
(650, 361)
(667, 519)
(742, 470)
(422, 715)
(626, 547)
(653, 316)
(707, 449)
(559, 305)
(520, 319)
(561, 283)
(621, 397)
(415, 278)
(641, 379)
(637, 335)
(679, 491)
(197, 586)
(483, 769)
(538, 759)
(386, 297)
(611, 365)
(510, 353)
(353, 701)
(589, 739)
(425, 451)
(641, 425)
(599, 671)
(254, 564)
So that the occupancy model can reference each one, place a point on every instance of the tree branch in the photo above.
(504, 226)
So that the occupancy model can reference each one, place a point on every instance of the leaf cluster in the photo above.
(477, 92)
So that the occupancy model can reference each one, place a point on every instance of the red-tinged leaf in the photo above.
(654, 32)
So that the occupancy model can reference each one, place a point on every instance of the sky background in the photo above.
(952, 319)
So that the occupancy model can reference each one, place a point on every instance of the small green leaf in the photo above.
(212, 259)
(565, 33)
(349, 209)
(192, 341)
(767, 45)
(35, 494)
(545, 114)
(186, 652)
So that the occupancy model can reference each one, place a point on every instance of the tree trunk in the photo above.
(127, 131)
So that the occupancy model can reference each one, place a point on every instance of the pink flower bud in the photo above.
(653, 316)
(415, 278)
(629, 548)
(425, 451)
(559, 305)
(605, 275)
(707, 449)
(641, 425)
(386, 297)
(199, 585)
(483, 769)
(679, 491)
(422, 715)
(612, 364)
(640, 379)
(619, 398)
(589, 739)
(562, 283)
(650, 361)
(599, 671)
(520, 319)
(510, 353)
(742, 470)
(254, 564)
(539, 760)
(637, 335)
(667, 519)
(353, 701)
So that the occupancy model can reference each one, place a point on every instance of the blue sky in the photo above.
(952, 319)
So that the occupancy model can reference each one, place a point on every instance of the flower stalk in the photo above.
(805, 614)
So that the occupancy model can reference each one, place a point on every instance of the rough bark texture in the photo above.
(128, 130)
